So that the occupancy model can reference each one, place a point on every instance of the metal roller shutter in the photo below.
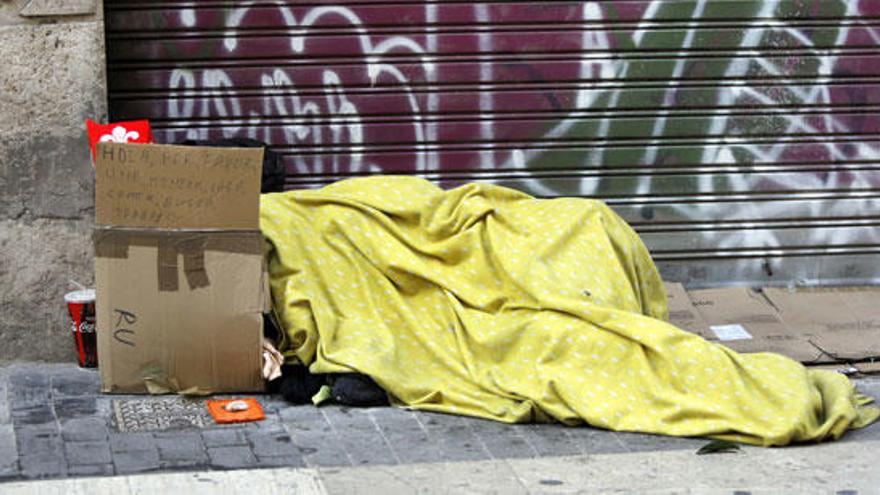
(739, 137)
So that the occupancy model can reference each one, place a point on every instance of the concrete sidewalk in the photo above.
(836, 468)
(55, 425)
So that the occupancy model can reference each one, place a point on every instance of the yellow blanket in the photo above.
(487, 302)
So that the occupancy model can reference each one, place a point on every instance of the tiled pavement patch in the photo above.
(55, 423)
(159, 414)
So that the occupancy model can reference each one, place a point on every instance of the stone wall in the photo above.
(52, 79)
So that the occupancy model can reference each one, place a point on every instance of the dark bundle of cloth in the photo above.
(298, 386)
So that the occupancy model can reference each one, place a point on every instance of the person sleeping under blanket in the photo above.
(487, 302)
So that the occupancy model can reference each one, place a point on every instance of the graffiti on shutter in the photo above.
(739, 137)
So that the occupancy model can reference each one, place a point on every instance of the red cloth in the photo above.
(132, 131)
(254, 412)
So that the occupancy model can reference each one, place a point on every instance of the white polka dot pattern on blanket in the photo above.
(487, 302)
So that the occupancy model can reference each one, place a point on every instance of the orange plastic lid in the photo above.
(236, 410)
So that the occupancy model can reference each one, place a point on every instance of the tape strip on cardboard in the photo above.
(193, 251)
(114, 242)
(110, 244)
(166, 265)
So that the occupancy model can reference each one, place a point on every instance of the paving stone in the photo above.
(280, 461)
(869, 386)
(272, 402)
(551, 439)
(28, 387)
(8, 450)
(359, 436)
(82, 429)
(137, 461)
(75, 383)
(321, 450)
(504, 441)
(32, 414)
(181, 447)
(271, 443)
(184, 464)
(37, 439)
(390, 414)
(28, 376)
(90, 470)
(10, 475)
(350, 419)
(596, 441)
(368, 449)
(104, 406)
(80, 453)
(641, 442)
(315, 439)
(409, 442)
(43, 465)
(305, 419)
(75, 407)
(457, 440)
(132, 442)
(232, 457)
(272, 423)
(4, 398)
(224, 437)
(869, 433)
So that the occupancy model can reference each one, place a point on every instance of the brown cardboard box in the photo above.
(743, 320)
(683, 314)
(844, 322)
(179, 269)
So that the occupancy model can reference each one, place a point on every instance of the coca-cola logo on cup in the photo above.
(84, 327)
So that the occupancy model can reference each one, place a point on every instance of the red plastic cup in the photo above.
(81, 306)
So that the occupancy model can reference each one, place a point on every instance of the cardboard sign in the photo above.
(182, 187)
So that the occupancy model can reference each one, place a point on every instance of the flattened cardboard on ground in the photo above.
(845, 322)
(744, 321)
(865, 368)
(868, 368)
(842, 368)
(682, 312)
(179, 269)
